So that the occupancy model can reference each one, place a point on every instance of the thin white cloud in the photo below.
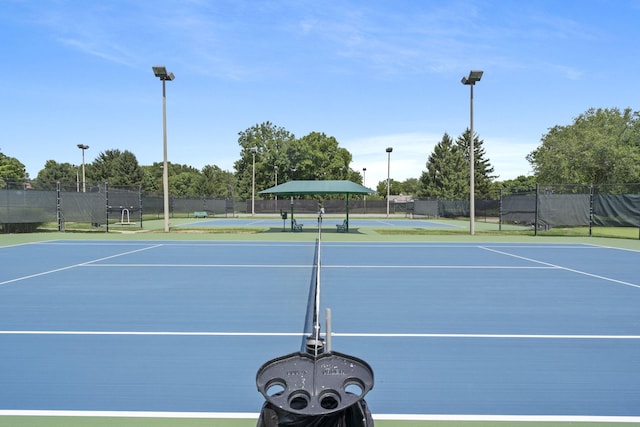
(106, 51)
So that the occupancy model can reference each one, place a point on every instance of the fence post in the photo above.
(106, 202)
(535, 220)
(59, 207)
(500, 212)
(590, 209)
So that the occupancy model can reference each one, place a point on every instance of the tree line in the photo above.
(601, 146)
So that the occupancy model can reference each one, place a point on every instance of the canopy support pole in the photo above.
(347, 209)
(292, 213)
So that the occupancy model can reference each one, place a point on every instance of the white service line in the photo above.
(82, 264)
(427, 267)
(335, 334)
(196, 265)
(584, 273)
(159, 333)
(386, 417)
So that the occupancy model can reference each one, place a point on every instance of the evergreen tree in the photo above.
(482, 166)
(115, 167)
(445, 177)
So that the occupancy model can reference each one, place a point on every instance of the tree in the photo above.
(411, 186)
(320, 157)
(214, 181)
(152, 178)
(395, 188)
(183, 180)
(482, 166)
(278, 154)
(520, 183)
(266, 143)
(600, 147)
(115, 167)
(11, 170)
(57, 172)
(447, 174)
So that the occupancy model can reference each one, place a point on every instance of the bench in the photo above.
(295, 226)
(342, 228)
(201, 214)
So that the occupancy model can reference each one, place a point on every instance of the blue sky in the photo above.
(370, 73)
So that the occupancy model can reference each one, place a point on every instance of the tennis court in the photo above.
(311, 223)
(453, 331)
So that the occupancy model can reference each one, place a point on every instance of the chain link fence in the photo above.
(64, 206)
(549, 206)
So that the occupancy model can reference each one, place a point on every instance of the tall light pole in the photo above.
(389, 150)
(364, 183)
(163, 75)
(253, 181)
(470, 80)
(84, 184)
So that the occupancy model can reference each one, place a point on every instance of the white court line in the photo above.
(194, 243)
(436, 267)
(445, 267)
(386, 417)
(502, 336)
(82, 264)
(128, 414)
(199, 265)
(510, 418)
(335, 334)
(152, 333)
(15, 245)
(584, 273)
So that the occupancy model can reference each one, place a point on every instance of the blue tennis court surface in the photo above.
(456, 329)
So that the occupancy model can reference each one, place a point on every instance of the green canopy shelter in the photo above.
(298, 188)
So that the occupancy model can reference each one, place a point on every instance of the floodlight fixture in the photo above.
(473, 77)
(161, 72)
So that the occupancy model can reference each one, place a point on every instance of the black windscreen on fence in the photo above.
(544, 207)
(616, 210)
(519, 208)
(27, 206)
(574, 206)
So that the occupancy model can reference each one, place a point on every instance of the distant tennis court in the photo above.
(453, 331)
(312, 223)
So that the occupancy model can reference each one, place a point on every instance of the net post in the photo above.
(327, 315)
